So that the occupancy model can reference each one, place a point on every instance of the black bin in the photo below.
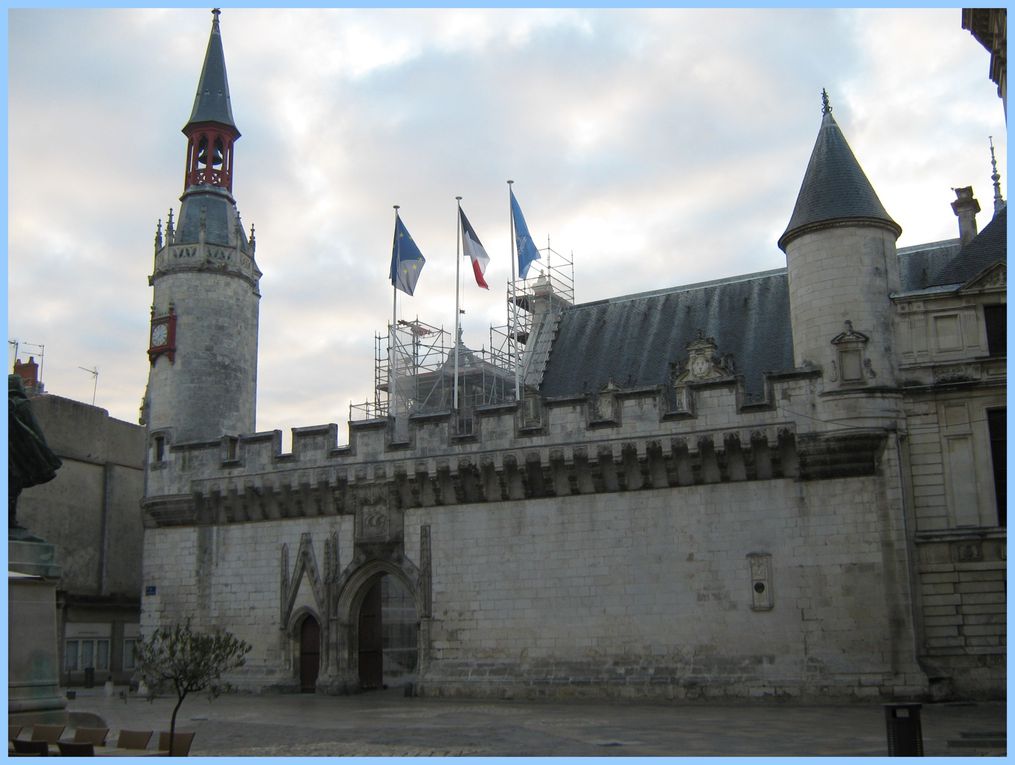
(905, 737)
(89, 677)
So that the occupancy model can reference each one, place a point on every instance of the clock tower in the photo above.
(202, 344)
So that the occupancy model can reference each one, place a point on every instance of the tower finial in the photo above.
(826, 108)
(996, 178)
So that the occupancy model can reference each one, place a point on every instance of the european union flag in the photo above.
(406, 259)
(527, 251)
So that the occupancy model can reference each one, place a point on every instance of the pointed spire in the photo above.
(835, 189)
(211, 104)
(996, 178)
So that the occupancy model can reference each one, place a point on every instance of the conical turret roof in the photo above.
(834, 189)
(211, 104)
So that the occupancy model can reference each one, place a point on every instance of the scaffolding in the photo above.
(509, 342)
(414, 362)
(414, 374)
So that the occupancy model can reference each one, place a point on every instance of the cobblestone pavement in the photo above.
(386, 724)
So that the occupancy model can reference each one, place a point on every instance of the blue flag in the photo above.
(406, 259)
(527, 251)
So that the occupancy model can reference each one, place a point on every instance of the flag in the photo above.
(406, 259)
(526, 248)
(474, 249)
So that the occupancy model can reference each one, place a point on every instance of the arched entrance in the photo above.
(387, 628)
(310, 654)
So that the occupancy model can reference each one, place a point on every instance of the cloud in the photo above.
(661, 146)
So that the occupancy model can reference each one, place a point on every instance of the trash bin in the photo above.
(89, 677)
(905, 738)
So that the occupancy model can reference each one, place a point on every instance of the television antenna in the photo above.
(15, 346)
(95, 380)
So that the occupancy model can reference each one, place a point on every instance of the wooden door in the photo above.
(371, 653)
(310, 654)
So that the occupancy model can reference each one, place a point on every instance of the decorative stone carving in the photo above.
(851, 364)
(956, 373)
(704, 362)
(604, 408)
(530, 412)
(306, 565)
(762, 598)
(373, 522)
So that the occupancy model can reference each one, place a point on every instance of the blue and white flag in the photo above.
(406, 259)
(527, 251)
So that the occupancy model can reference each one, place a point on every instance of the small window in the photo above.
(129, 646)
(82, 654)
(852, 365)
(70, 655)
(995, 317)
(159, 448)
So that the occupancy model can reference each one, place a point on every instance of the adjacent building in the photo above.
(90, 513)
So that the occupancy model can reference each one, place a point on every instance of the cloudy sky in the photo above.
(661, 147)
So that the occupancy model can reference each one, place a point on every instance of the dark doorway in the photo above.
(387, 635)
(310, 654)
(371, 641)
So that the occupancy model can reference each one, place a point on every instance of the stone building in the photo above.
(90, 513)
(784, 484)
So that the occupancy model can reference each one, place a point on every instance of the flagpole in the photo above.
(513, 310)
(391, 333)
(458, 282)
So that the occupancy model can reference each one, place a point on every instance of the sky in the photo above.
(659, 147)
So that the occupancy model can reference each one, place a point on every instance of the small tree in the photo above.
(180, 659)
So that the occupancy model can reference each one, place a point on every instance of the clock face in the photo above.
(160, 334)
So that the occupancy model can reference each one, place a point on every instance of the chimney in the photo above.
(28, 371)
(966, 207)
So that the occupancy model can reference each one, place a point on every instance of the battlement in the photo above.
(204, 256)
(615, 440)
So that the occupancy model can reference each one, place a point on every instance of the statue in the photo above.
(30, 461)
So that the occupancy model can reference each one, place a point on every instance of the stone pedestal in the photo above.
(33, 670)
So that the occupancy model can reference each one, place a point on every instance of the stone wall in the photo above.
(91, 510)
(627, 590)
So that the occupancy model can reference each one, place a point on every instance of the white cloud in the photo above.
(662, 146)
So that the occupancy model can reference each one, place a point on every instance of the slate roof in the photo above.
(211, 104)
(632, 340)
(919, 264)
(834, 188)
(988, 247)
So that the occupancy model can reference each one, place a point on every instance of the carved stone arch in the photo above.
(305, 565)
(294, 629)
(350, 591)
(351, 586)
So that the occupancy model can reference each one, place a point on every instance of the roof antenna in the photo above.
(825, 106)
(996, 178)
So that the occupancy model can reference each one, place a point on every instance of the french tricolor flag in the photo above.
(474, 249)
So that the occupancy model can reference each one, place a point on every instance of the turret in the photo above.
(842, 265)
(204, 315)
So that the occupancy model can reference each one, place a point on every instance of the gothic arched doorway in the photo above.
(310, 654)
(387, 629)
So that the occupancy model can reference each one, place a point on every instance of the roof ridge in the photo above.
(684, 287)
